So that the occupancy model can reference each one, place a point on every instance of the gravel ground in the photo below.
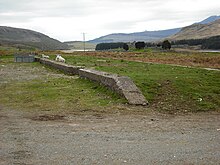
(27, 138)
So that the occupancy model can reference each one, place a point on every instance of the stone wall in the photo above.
(68, 69)
(120, 84)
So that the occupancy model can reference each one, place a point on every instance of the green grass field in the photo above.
(32, 86)
(169, 89)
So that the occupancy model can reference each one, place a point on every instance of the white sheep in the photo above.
(44, 56)
(60, 59)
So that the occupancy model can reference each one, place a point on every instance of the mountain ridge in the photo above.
(209, 19)
(26, 37)
(136, 36)
(198, 31)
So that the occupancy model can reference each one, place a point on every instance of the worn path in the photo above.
(32, 138)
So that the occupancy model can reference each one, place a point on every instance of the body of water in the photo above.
(77, 50)
(210, 50)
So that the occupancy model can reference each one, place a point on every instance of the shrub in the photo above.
(139, 45)
(125, 47)
(166, 44)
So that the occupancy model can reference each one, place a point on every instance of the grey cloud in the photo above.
(48, 7)
(18, 19)
(66, 7)
(13, 5)
(25, 10)
(119, 25)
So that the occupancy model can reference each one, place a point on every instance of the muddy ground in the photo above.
(38, 137)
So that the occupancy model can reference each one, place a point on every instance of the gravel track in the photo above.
(31, 138)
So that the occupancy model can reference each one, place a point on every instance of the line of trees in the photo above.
(165, 44)
(113, 45)
(206, 43)
(138, 45)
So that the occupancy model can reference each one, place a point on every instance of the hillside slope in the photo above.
(17, 36)
(198, 31)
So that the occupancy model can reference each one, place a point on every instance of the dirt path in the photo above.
(31, 138)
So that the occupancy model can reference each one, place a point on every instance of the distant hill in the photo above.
(24, 37)
(198, 31)
(79, 45)
(147, 36)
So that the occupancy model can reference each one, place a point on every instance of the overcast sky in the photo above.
(66, 20)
